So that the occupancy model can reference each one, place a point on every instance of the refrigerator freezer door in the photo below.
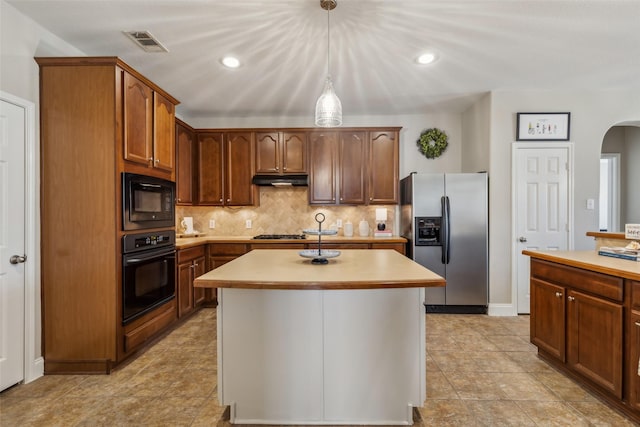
(467, 271)
(427, 190)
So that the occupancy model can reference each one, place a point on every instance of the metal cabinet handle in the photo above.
(637, 323)
(157, 161)
(571, 298)
(522, 239)
(17, 259)
(558, 294)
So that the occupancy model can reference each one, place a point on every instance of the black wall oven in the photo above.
(148, 272)
(147, 202)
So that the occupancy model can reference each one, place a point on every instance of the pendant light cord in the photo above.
(328, 42)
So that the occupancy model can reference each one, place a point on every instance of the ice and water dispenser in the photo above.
(428, 231)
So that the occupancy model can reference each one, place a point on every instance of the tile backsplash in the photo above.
(281, 211)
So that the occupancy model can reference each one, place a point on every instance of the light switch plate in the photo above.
(591, 204)
(212, 223)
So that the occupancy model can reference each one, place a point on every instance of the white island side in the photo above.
(341, 343)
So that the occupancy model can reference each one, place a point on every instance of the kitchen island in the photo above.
(585, 320)
(340, 343)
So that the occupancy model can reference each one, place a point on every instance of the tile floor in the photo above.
(481, 371)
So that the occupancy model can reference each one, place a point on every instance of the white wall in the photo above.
(21, 39)
(593, 112)
(476, 136)
(632, 205)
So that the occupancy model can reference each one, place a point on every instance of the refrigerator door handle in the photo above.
(446, 245)
(443, 230)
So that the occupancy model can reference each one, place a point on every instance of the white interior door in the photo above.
(541, 200)
(12, 243)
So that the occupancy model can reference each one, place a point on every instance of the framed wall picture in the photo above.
(543, 126)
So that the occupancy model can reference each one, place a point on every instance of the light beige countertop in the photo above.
(187, 242)
(590, 260)
(352, 269)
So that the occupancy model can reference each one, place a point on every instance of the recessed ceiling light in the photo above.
(426, 58)
(230, 62)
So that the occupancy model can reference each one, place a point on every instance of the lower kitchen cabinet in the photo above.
(578, 324)
(594, 340)
(191, 264)
(547, 328)
(219, 254)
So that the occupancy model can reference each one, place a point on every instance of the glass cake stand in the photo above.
(319, 256)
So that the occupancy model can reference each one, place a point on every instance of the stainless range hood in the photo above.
(281, 180)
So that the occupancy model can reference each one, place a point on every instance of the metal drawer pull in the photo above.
(637, 323)
(571, 298)
(558, 294)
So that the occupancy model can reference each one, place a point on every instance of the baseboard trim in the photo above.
(502, 310)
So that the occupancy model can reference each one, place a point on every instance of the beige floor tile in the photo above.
(481, 371)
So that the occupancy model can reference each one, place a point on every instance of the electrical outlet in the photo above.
(591, 204)
(339, 223)
(212, 223)
(247, 224)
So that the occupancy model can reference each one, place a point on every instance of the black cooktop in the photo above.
(280, 236)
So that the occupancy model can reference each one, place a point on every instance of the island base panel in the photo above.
(321, 356)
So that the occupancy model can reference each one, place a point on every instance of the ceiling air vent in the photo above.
(146, 41)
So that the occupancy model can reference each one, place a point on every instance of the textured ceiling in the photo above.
(482, 45)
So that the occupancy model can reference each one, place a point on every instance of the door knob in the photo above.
(522, 239)
(17, 259)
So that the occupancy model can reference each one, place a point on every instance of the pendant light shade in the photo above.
(328, 106)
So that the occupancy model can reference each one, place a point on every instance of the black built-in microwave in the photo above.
(147, 202)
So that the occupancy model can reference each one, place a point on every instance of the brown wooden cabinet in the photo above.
(547, 324)
(594, 339)
(323, 155)
(383, 173)
(191, 264)
(634, 360)
(185, 157)
(356, 166)
(149, 120)
(93, 126)
(577, 318)
(352, 168)
(281, 152)
(225, 168)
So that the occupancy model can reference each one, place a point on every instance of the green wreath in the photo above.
(432, 142)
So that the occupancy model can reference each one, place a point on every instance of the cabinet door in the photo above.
(185, 283)
(594, 340)
(352, 170)
(210, 169)
(323, 151)
(268, 153)
(138, 121)
(184, 165)
(164, 148)
(294, 152)
(199, 268)
(239, 190)
(383, 167)
(547, 325)
(634, 360)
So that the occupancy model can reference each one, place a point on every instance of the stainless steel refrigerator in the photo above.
(445, 218)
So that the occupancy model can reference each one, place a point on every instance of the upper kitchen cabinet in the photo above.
(185, 156)
(281, 153)
(352, 158)
(357, 166)
(225, 168)
(383, 166)
(148, 121)
(323, 154)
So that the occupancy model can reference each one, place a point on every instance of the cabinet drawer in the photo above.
(227, 249)
(147, 330)
(339, 246)
(277, 246)
(185, 255)
(589, 281)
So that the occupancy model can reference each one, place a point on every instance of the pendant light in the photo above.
(328, 106)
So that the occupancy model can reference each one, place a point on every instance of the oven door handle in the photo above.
(165, 254)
